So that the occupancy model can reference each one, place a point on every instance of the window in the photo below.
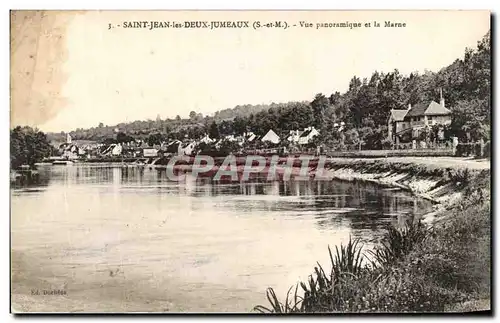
(430, 118)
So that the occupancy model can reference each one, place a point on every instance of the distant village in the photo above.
(405, 129)
(271, 142)
(404, 125)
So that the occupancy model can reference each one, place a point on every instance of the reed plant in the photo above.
(398, 243)
(415, 269)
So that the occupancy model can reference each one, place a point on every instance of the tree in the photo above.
(108, 141)
(192, 115)
(214, 131)
(155, 139)
(239, 126)
(352, 138)
(196, 132)
(228, 147)
(471, 120)
(28, 146)
(319, 106)
(177, 118)
(225, 128)
(122, 137)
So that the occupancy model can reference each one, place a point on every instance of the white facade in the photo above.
(206, 140)
(186, 149)
(308, 134)
(249, 136)
(116, 150)
(271, 136)
(294, 136)
(150, 152)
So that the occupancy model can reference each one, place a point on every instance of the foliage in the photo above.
(397, 243)
(214, 131)
(27, 146)
(155, 139)
(123, 137)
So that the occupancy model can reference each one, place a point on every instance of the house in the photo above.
(231, 138)
(186, 148)
(412, 121)
(113, 150)
(206, 140)
(117, 150)
(271, 136)
(294, 136)
(396, 124)
(249, 136)
(308, 134)
(69, 151)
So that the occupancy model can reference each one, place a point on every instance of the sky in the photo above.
(68, 70)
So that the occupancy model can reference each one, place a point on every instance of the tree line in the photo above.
(364, 109)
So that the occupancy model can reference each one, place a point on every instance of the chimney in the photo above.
(441, 101)
(409, 106)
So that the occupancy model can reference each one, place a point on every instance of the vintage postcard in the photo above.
(250, 161)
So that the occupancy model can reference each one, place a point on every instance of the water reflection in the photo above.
(364, 207)
(171, 236)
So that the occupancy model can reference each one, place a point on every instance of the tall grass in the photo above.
(415, 269)
(398, 243)
(347, 262)
(333, 291)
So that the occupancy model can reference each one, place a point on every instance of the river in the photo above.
(117, 239)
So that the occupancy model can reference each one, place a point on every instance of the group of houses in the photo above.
(403, 125)
(80, 149)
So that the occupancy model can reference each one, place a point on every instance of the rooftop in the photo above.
(398, 115)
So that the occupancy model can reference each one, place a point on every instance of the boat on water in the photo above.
(62, 162)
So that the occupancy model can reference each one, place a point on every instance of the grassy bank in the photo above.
(438, 268)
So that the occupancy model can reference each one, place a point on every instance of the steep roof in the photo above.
(436, 109)
(306, 133)
(417, 110)
(271, 136)
(433, 108)
(398, 115)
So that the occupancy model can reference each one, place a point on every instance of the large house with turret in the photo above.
(409, 123)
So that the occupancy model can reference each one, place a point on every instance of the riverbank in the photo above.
(441, 266)
(444, 181)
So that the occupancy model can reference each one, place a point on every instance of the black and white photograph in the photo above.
(252, 162)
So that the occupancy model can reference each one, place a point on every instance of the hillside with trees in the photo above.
(364, 108)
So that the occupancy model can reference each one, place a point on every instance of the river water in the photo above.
(117, 239)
